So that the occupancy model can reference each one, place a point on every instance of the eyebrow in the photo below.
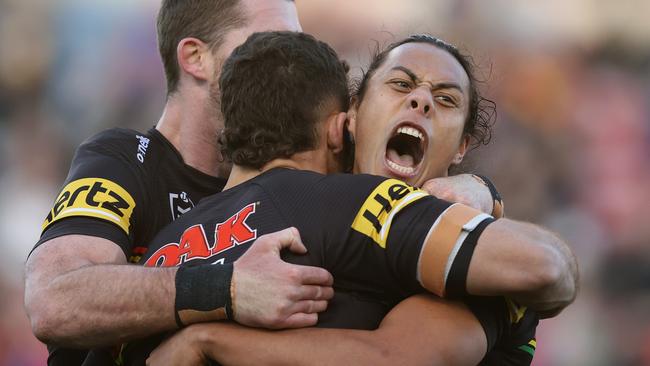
(415, 79)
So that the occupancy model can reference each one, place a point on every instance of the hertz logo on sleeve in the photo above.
(93, 197)
(376, 215)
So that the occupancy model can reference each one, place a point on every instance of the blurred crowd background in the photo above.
(571, 148)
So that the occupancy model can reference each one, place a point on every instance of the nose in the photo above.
(421, 101)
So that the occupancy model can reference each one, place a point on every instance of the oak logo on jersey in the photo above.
(377, 212)
(93, 197)
(193, 244)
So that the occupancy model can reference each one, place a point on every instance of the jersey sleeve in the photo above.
(514, 343)
(102, 194)
(428, 242)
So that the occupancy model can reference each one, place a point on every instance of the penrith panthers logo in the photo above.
(194, 244)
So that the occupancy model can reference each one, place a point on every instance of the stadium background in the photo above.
(571, 147)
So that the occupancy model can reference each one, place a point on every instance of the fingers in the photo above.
(309, 307)
(284, 239)
(308, 275)
(300, 320)
(305, 314)
(295, 245)
(315, 293)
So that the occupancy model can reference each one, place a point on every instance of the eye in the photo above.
(401, 85)
(446, 100)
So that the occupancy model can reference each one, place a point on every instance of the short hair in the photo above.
(481, 112)
(275, 89)
(206, 20)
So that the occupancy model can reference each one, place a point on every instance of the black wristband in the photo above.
(203, 293)
(497, 201)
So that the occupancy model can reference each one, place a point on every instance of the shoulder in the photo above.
(116, 144)
(114, 137)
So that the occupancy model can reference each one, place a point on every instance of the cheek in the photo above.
(451, 127)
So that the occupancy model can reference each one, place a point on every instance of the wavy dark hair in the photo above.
(275, 89)
(481, 112)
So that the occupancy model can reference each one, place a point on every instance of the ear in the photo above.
(462, 150)
(335, 125)
(352, 116)
(192, 55)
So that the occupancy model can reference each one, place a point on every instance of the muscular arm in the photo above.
(421, 330)
(525, 262)
(79, 291)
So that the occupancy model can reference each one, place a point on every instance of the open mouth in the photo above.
(405, 151)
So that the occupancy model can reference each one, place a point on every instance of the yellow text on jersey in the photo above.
(93, 197)
(377, 212)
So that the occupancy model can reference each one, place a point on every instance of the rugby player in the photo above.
(262, 196)
(123, 186)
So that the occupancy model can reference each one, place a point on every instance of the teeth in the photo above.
(402, 169)
(411, 132)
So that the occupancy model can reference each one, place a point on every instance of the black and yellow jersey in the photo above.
(123, 186)
(381, 239)
(514, 336)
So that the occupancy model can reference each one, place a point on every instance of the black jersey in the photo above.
(381, 239)
(123, 186)
(516, 343)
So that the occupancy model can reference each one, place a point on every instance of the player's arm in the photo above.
(551, 266)
(465, 252)
(526, 263)
(421, 330)
(80, 292)
(453, 250)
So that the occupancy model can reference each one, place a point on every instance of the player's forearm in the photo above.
(422, 330)
(525, 262)
(548, 301)
(99, 305)
(231, 344)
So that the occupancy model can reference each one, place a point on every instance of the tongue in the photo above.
(403, 160)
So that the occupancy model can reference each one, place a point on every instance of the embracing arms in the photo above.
(523, 261)
(421, 330)
(80, 292)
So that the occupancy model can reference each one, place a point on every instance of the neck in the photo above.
(189, 123)
(312, 160)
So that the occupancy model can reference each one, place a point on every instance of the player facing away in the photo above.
(282, 97)
(124, 186)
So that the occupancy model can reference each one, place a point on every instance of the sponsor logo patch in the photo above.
(194, 243)
(142, 148)
(375, 217)
(93, 197)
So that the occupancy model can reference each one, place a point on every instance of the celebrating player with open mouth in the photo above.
(381, 239)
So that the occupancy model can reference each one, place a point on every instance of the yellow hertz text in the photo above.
(376, 215)
(93, 197)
